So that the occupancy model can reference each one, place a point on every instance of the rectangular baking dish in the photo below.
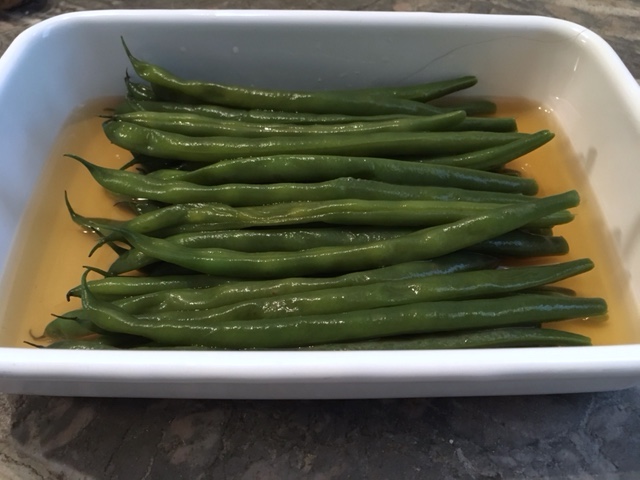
(61, 63)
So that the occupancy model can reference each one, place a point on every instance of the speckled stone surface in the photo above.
(540, 437)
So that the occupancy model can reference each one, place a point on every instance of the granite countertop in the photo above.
(558, 436)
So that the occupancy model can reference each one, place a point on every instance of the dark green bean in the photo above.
(316, 168)
(512, 244)
(352, 103)
(250, 116)
(387, 174)
(507, 337)
(265, 240)
(421, 245)
(110, 288)
(244, 195)
(174, 146)
(495, 157)
(271, 116)
(434, 288)
(520, 244)
(201, 126)
(417, 318)
(191, 299)
(138, 91)
(423, 92)
(202, 217)
(66, 328)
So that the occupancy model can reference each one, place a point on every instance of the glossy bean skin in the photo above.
(202, 217)
(314, 168)
(519, 244)
(496, 157)
(201, 126)
(503, 124)
(243, 195)
(174, 146)
(431, 288)
(416, 318)
(178, 189)
(352, 103)
(242, 291)
(420, 245)
(506, 337)
(110, 288)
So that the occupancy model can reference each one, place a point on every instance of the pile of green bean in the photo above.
(371, 218)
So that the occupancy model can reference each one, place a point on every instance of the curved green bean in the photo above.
(200, 126)
(202, 217)
(495, 157)
(432, 288)
(506, 337)
(512, 244)
(416, 318)
(420, 245)
(191, 299)
(174, 146)
(274, 116)
(240, 194)
(110, 288)
(316, 168)
(353, 102)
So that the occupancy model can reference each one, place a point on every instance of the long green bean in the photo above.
(191, 299)
(316, 168)
(174, 146)
(432, 288)
(421, 245)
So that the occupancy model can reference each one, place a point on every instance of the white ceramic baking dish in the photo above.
(63, 62)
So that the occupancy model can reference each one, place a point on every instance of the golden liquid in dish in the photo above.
(51, 250)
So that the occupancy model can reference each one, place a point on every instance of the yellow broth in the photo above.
(51, 250)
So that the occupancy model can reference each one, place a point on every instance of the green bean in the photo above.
(202, 217)
(424, 92)
(262, 241)
(200, 126)
(315, 168)
(271, 116)
(451, 286)
(387, 174)
(250, 116)
(138, 91)
(416, 318)
(421, 245)
(352, 103)
(191, 299)
(363, 102)
(174, 146)
(494, 157)
(110, 288)
(513, 244)
(506, 337)
(243, 195)
(520, 244)
(66, 328)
